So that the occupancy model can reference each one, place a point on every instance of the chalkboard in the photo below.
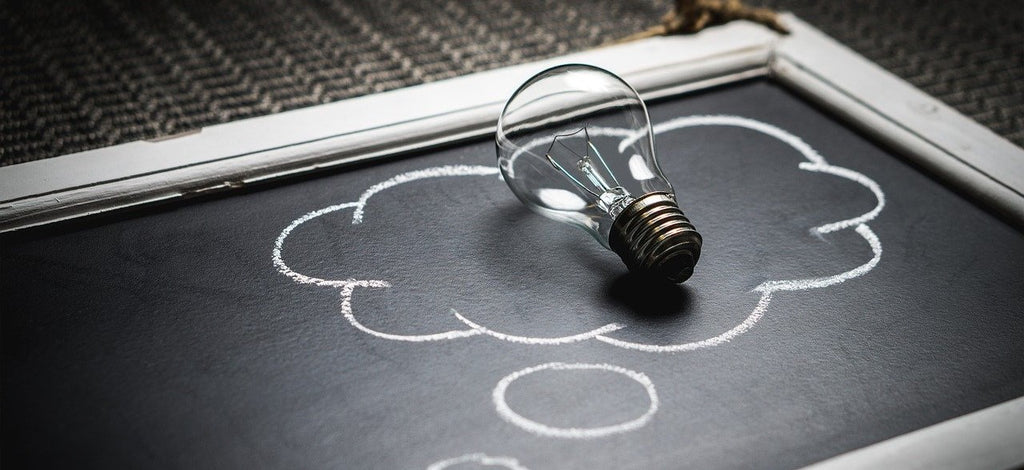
(412, 314)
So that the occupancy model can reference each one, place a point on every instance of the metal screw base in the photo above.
(654, 238)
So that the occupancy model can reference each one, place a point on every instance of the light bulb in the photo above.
(575, 145)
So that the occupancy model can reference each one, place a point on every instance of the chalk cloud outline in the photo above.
(814, 163)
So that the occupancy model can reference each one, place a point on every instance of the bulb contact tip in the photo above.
(654, 238)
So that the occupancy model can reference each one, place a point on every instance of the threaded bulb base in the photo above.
(655, 239)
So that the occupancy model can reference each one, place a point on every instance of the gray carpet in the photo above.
(78, 75)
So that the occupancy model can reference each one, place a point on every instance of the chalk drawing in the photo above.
(453, 170)
(482, 459)
(541, 429)
(347, 287)
(814, 162)
(530, 340)
(278, 257)
(346, 311)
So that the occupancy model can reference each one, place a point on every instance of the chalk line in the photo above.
(278, 257)
(853, 176)
(736, 121)
(531, 340)
(819, 282)
(540, 429)
(434, 172)
(482, 459)
(346, 311)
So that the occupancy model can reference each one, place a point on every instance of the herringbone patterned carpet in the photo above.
(77, 75)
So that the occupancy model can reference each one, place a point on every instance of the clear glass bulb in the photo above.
(575, 145)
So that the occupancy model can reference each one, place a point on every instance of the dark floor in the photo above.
(80, 75)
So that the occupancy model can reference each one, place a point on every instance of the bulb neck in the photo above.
(654, 238)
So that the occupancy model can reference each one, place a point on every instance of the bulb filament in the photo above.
(611, 197)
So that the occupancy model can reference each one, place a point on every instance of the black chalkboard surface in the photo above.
(412, 314)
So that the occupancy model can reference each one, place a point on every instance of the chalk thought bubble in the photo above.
(356, 212)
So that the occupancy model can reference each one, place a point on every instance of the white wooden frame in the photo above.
(953, 148)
